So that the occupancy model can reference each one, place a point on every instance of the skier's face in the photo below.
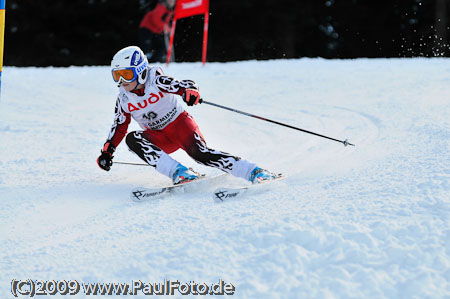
(129, 86)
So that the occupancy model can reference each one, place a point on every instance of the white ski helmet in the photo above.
(129, 64)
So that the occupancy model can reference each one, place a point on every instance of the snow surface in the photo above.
(371, 221)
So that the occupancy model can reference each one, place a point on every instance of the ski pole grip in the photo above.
(200, 101)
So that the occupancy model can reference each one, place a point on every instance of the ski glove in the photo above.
(104, 161)
(191, 97)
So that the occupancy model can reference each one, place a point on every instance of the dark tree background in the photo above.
(89, 32)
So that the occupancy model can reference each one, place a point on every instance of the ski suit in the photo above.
(166, 127)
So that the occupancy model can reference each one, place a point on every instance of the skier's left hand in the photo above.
(191, 97)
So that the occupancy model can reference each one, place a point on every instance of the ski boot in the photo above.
(259, 175)
(182, 174)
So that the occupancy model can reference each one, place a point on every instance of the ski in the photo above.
(224, 194)
(141, 194)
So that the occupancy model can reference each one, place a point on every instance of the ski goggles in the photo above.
(126, 74)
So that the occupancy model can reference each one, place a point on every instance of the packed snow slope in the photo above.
(370, 221)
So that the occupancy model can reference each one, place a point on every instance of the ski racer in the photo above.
(152, 100)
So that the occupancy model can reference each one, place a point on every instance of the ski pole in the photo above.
(345, 142)
(128, 163)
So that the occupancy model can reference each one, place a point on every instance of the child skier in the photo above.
(151, 99)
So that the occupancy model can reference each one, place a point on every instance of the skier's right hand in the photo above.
(104, 161)
(191, 97)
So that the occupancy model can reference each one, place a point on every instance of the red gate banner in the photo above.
(187, 8)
